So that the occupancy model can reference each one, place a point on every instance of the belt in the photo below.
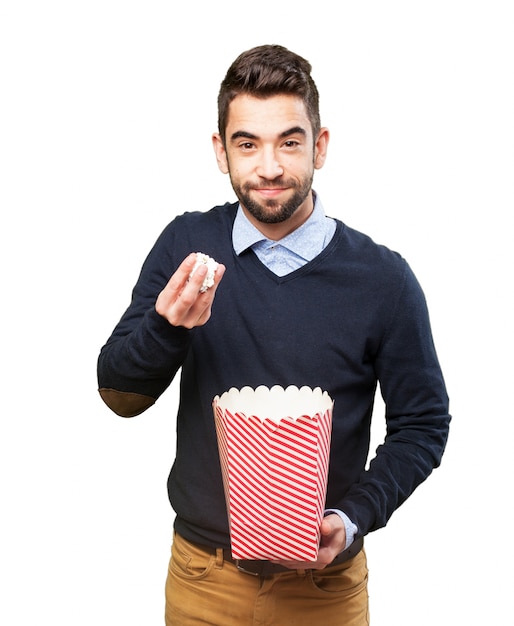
(266, 568)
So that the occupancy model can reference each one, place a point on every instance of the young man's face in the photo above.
(271, 155)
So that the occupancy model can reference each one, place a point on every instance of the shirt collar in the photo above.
(310, 235)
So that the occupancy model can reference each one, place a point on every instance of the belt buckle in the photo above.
(242, 569)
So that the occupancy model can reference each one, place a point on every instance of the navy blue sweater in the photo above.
(352, 316)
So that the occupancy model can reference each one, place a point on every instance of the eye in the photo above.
(246, 146)
(291, 144)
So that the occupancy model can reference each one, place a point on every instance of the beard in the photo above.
(273, 211)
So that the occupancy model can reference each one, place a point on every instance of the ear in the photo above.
(320, 148)
(220, 152)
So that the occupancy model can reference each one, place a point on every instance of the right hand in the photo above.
(181, 301)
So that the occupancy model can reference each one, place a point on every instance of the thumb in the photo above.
(326, 527)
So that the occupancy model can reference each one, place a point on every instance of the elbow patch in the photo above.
(126, 403)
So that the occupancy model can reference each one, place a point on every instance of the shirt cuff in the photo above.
(350, 527)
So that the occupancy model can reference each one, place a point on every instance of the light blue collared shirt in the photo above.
(291, 252)
(285, 256)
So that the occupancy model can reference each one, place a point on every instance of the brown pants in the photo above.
(202, 588)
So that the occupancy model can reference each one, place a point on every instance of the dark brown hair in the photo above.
(266, 71)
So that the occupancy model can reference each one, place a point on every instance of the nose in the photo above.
(269, 166)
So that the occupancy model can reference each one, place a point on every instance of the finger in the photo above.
(182, 302)
(326, 526)
(180, 277)
(192, 292)
(325, 557)
(193, 285)
(193, 307)
(182, 289)
(200, 310)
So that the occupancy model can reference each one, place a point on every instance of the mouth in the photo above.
(269, 192)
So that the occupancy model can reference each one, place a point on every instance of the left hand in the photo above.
(333, 541)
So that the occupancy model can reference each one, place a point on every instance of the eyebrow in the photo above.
(243, 134)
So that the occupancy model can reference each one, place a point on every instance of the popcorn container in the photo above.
(274, 450)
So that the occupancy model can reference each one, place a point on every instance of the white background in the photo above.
(106, 112)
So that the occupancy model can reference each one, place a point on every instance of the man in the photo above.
(298, 299)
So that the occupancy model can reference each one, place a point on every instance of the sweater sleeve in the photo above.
(417, 415)
(144, 352)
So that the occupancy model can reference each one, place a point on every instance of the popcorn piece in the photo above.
(204, 259)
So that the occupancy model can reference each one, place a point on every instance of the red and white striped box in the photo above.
(274, 449)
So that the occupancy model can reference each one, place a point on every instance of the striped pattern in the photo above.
(275, 478)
